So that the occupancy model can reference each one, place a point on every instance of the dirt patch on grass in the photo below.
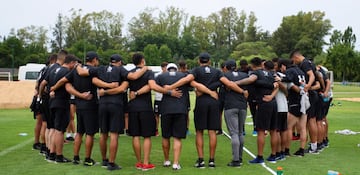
(350, 99)
(16, 94)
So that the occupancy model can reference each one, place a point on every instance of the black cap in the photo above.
(230, 65)
(204, 57)
(91, 55)
(116, 58)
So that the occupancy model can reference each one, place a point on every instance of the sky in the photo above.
(22, 13)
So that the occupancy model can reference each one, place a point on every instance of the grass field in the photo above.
(16, 156)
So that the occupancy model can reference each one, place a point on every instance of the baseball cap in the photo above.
(204, 57)
(230, 64)
(115, 58)
(171, 66)
(91, 55)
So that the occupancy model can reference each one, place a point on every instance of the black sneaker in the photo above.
(62, 159)
(234, 164)
(70, 139)
(271, 159)
(89, 162)
(42, 150)
(299, 153)
(219, 132)
(312, 151)
(51, 157)
(36, 146)
(113, 166)
(105, 163)
(200, 163)
(211, 163)
(76, 161)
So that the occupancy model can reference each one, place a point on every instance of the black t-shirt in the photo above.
(84, 84)
(232, 98)
(111, 74)
(61, 99)
(306, 66)
(260, 90)
(208, 76)
(294, 75)
(169, 104)
(142, 102)
(46, 77)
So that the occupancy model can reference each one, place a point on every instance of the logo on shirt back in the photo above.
(235, 74)
(172, 73)
(57, 70)
(109, 69)
(266, 73)
(207, 70)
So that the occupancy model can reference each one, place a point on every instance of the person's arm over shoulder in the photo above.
(137, 74)
(187, 79)
(231, 85)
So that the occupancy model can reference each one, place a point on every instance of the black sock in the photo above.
(201, 159)
(211, 160)
(77, 157)
(260, 157)
(59, 156)
(287, 150)
(301, 149)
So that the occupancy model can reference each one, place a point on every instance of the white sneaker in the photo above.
(176, 166)
(167, 163)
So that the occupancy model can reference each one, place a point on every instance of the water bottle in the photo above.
(279, 171)
(331, 172)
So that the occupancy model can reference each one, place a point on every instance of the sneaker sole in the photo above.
(147, 169)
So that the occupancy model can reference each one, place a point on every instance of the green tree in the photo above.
(59, 34)
(151, 53)
(342, 54)
(248, 50)
(304, 31)
(165, 53)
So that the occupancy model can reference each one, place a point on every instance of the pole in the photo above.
(12, 64)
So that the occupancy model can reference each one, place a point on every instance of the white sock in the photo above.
(68, 134)
(313, 146)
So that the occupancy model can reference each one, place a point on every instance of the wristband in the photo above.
(136, 93)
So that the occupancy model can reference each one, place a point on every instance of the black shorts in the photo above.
(326, 107)
(61, 118)
(87, 121)
(45, 110)
(173, 125)
(313, 98)
(282, 121)
(157, 107)
(320, 109)
(266, 116)
(111, 118)
(294, 109)
(142, 124)
(207, 113)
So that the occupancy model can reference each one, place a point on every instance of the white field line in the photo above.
(22, 144)
(252, 155)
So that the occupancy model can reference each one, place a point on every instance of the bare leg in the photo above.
(177, 150)
(147, 150)
(212, 141)
(113, 146)
(166, 148)
(200, 143)
(103, 145)
(137, 148)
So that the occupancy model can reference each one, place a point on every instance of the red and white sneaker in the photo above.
(139, 166)
(149, 166)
